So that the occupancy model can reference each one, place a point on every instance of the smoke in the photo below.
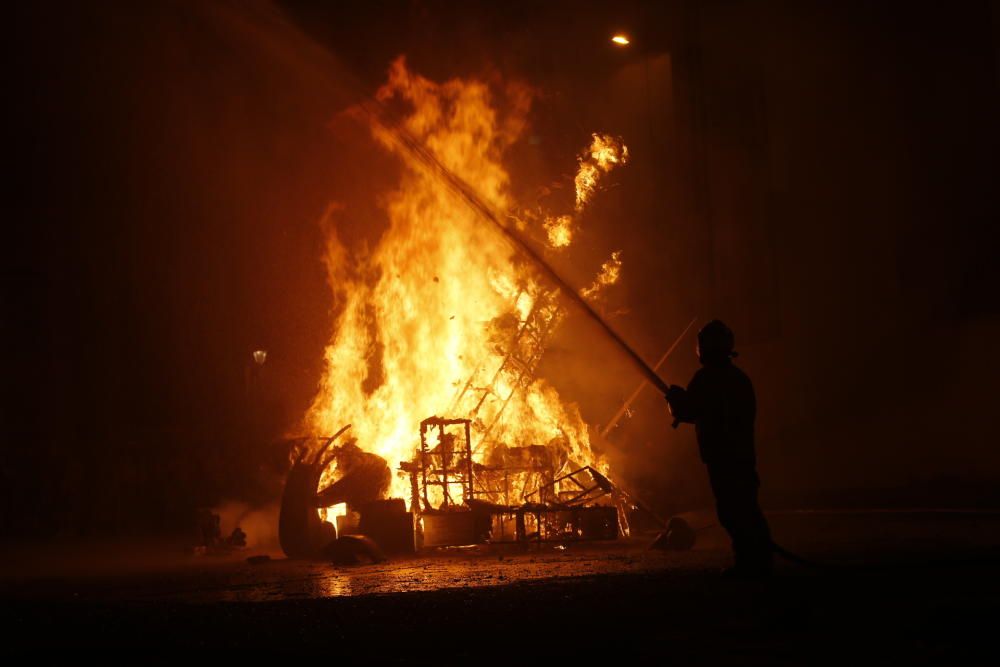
(260, 523)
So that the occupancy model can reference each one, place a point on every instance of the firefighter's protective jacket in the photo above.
(720, 402)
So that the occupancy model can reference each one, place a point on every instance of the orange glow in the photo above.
(621, 40)
(425, 315)
(604, 154)
(611, 271)
(330, 514)
(559, 231)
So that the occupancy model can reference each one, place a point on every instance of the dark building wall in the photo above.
(850, 153)
(171, 167)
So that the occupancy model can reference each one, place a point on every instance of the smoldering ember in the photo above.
(416, 330)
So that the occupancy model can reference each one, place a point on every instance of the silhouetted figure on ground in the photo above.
(720, 402)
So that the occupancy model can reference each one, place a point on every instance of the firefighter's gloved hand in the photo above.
(675, 401)
(674, 393)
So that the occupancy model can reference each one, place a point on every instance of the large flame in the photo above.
(604, 154)
(428, 317)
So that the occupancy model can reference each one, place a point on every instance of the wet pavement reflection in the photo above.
(284, 579)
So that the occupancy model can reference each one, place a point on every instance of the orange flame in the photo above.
(605, 153)
(427, 317)
(610, 272)
(559, 231)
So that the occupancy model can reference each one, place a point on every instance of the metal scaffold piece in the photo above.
(486, 403)
(445, 462)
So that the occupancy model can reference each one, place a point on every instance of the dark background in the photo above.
(822, 176)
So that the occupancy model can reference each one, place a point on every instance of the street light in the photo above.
(621, 40)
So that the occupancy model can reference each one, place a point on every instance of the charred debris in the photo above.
(516, 496)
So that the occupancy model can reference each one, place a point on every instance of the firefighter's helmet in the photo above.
(716, 340)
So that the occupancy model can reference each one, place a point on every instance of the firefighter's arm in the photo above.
(682, 407)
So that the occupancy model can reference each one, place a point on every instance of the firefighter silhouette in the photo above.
(720, 402)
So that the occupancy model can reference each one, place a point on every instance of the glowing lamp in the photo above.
(259, 357)
(620, 40)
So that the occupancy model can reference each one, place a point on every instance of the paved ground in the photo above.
(907, 588)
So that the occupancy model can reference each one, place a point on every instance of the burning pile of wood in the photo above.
(515, 497)
(439, 318)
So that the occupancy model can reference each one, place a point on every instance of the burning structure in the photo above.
(434, 358)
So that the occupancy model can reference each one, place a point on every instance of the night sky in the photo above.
(821, 176)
